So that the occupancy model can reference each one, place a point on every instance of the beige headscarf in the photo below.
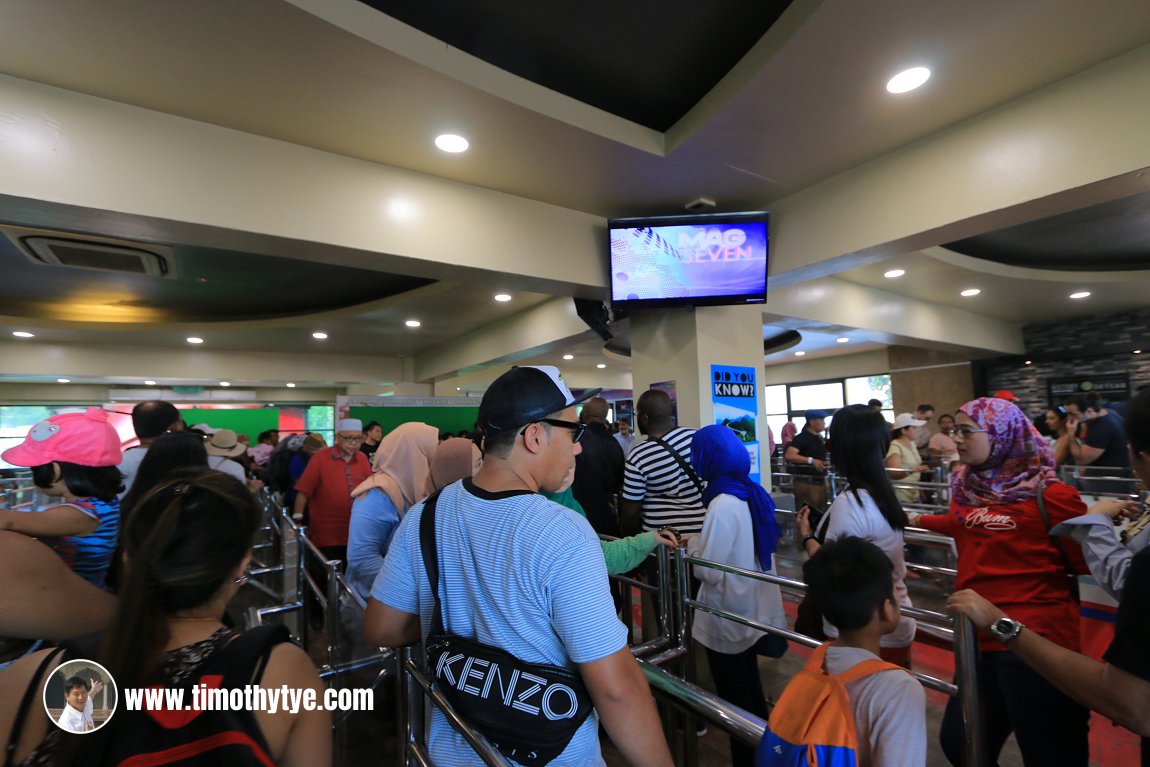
(454, 459)
(403, 465)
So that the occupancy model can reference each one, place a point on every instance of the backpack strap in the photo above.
(34, 686)
(817, 664)
(431, 557)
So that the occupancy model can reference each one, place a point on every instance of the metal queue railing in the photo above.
(283, 549)
(17, 490)
(288, 543)
(749, 728)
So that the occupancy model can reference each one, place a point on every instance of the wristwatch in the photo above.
(1005, 629)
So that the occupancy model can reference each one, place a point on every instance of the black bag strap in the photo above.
(34, 686)
(1055, 539)
(431, 557)
(686, 467)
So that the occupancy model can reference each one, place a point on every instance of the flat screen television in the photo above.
(695, 260)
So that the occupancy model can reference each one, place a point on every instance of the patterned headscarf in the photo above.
(1019, 459)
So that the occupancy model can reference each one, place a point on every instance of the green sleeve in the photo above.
(627, 553)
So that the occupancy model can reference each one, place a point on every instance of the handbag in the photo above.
(529, 711)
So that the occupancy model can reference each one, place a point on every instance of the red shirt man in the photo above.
(326, 485)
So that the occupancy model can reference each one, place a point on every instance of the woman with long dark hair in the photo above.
(868, 509)
(1004, 500)
(168, 453)
(186, 547)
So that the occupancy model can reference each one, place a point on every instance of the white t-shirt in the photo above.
(849, 517)
(77, 721)
(129, 465)
(890, 712)
(727, 537)
(227, 466)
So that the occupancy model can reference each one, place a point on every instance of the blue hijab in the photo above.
(721, 459)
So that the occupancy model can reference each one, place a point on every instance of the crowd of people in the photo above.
(497, 547)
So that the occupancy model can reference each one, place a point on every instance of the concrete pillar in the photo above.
(682, 344)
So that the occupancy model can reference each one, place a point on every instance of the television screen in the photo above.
(689, 260)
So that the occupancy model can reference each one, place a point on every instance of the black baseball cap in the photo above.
(523, 395)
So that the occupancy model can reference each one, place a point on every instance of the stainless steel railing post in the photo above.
(333, 617)
(667, 624)
(409, 708)
(966, 658)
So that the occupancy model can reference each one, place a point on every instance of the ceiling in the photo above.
(612, 110)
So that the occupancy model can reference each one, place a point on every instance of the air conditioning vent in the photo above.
(119, 256)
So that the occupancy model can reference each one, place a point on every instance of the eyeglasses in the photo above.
(964, 432)
(354, 438)
(577, 429)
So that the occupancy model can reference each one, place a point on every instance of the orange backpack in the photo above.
(813, 723)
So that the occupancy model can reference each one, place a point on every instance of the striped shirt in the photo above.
(517, 572)
(653, 476)
(90, 555)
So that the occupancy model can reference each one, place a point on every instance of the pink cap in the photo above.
(86, 439)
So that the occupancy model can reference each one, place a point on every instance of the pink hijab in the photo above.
(454, 459)
(403, 465)
(1019, 460)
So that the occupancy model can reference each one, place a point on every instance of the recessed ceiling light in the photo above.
(1137, 351)
(449, 142)
(908, 80)
(225, 383)
(23, 334)
(1029, 361)
(601, 365)
(149, 383)
(319, 335)
(195, 340)
(893, 273)
(970, 292)
(1081, 294)
(842, 340)
(568, 356)
(291, 386)
(413, 323)
(63, 380)
(502, 298)
(800, 354)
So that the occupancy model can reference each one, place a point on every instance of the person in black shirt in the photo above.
(1102, 443)
(1120, 688)
(372, 436)
(598, 469)
(806, 458)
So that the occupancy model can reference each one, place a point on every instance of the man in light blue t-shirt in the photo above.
(521, 573)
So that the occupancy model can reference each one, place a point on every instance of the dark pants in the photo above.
(811, 490)
(1052, 730)
(737, 680)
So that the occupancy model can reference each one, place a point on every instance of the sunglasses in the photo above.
(577, 429)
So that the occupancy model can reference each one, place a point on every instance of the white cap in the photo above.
(349, 424)
(204, 428)
(906, 419)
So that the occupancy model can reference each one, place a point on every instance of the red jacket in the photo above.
(1006, 554)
